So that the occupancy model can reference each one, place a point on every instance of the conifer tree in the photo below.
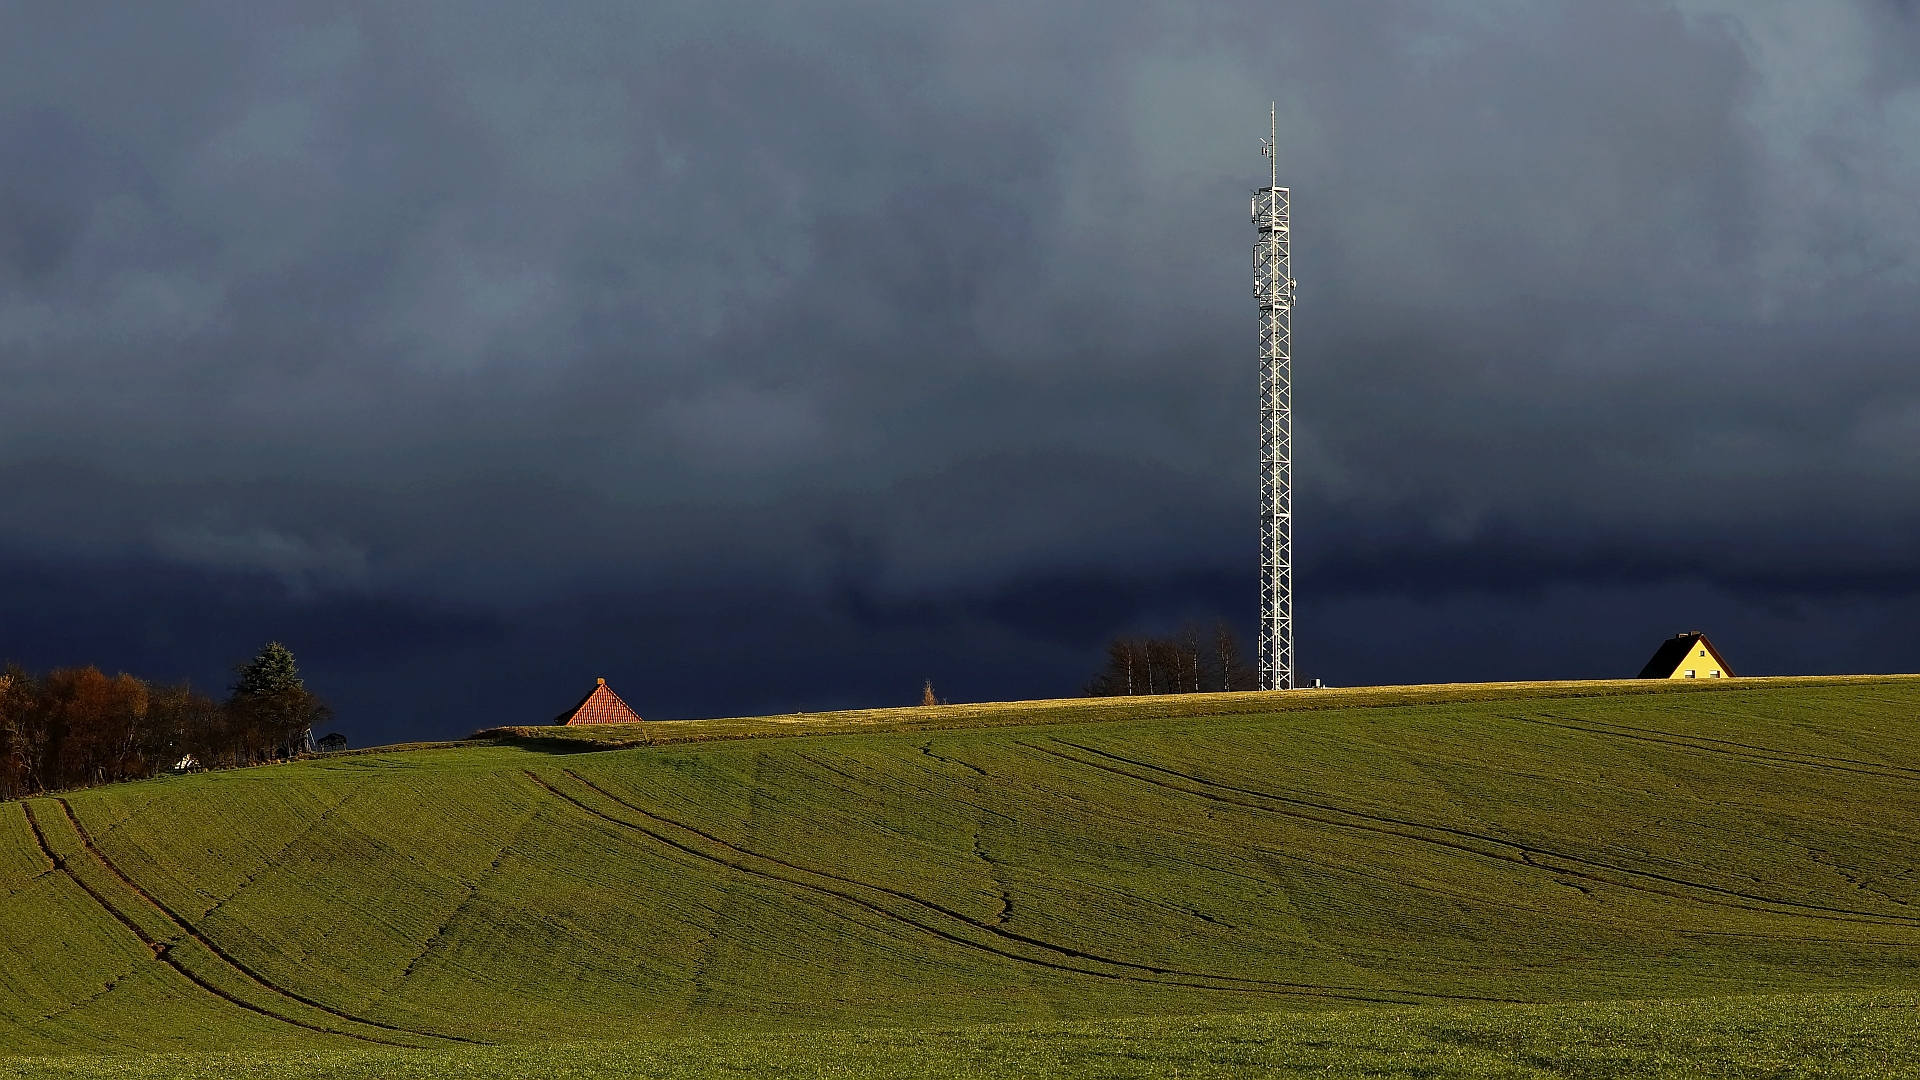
(270, 707)
(269, 673)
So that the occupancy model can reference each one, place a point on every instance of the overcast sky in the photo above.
(763, 356)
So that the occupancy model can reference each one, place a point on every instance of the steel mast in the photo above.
(1273, 287)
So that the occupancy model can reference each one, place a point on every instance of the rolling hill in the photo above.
(1519, 880)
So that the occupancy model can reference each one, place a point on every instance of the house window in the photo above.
(1689, 673)
(1713, 674)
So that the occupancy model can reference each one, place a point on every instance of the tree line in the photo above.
(1183, 664)
(76, 727)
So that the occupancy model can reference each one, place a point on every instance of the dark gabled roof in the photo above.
(1666, 660)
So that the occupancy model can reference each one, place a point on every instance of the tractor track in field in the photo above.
(26, 882)
(472, 891)
(1071, 959)
(909, 898)
(188, 930)
(75, 1006)
(946, 793)
(858, 783)
(1726, 747)
(267, 863)
(945, 935)
(884, 912)
(926, 748)
(163, 951)
(11, 893)
(1515, 853)
(1372, 873)
(993, 870)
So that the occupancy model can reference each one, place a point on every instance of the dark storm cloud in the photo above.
(773, 356)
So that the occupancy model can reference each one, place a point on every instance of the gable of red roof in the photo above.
(601, 706)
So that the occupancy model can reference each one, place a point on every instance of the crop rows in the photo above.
(1501, 852)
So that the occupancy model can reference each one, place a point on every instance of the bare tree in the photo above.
(1231, 670)
(21, 735)
(1127, 673)
(1187, 646)
(1176, 665)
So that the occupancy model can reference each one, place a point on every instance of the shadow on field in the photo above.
(549, 745)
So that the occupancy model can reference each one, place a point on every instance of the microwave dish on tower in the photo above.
(1273, 288)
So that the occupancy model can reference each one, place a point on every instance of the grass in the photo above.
(1830, 1036)
(1570, 879)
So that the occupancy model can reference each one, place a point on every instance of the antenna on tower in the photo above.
(1267, 145)
(1273, 288)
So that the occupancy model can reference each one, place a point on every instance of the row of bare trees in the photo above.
(1186, 663)
(74, 727)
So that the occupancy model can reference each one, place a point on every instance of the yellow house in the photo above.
(1687, 656)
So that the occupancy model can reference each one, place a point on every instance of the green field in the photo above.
(1553, 880)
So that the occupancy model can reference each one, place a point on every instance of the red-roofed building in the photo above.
(603, 706)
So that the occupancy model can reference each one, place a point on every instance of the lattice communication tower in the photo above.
(1273, 287)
